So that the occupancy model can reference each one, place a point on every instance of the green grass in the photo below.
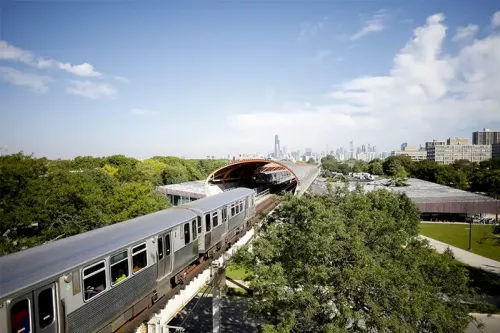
(236, 273)
(458, 236)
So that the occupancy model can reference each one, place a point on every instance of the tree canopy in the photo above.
(350, 261)
(43, 200)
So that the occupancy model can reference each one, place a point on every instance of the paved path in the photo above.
(491, 324)
(466, 257)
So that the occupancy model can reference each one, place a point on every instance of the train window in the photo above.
(233, 210)
(167, 245)
(119, 267)
(215, 219)
(20, 320)
(199, 225)
(94, 280)
(139, 257)
(193, 225)
(241, 206)
(45, 308)
(237, 208)
(186, 233)
(207, 223)
(160, 248)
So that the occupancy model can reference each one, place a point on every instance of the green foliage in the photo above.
(42, 200)
(350, 261)
(375, 168)
(330, 165)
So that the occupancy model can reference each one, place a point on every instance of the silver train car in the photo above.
(273, 177)
(98, 280)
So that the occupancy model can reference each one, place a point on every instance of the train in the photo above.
(98, 280)
(273, 177)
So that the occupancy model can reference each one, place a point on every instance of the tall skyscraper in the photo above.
(403, 146)
(363, 148)
(276, 146)
(485, 137)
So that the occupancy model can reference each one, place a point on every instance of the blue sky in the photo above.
(197, 78)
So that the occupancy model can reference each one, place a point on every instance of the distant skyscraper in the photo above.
(363, 148)
(403, 146)
(351, 146)
(276, 146)
(485, 137)
(308, 152)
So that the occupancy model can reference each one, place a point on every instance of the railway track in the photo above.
(262, 209)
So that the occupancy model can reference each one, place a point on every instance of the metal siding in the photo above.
(184, 256)
(236, 221)
(213, 202)
(217, 234)
(43, 263)
(97, 312)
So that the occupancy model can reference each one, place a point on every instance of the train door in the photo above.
(21, 314)
(45, 309)
(35, 312)
(164, 256)
(168, 253)
(161, 257)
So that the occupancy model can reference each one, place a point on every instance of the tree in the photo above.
(375, 168)
(350, 261)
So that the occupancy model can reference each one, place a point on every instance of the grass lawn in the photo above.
(236, 273)
(458, 235)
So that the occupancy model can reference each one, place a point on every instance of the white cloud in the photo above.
(84, 69)
(495, 19)
(374, 24)
(308, 30)
(466, 32)
(90, 89)
(37, 83)
(144, 112)
(12, 53)
(426, 94)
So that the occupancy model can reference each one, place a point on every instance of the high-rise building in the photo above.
(485, 137)
(457, 141)
(447, 154)
(363, 148)
(433, 143)
(276, 146)
(495, 150)
(351, 146)
(308, 152)
(404, 145)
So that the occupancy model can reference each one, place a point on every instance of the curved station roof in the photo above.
(238, 170)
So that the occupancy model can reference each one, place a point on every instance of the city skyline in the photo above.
(217, 78)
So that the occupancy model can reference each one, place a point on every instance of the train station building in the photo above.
(243, 173)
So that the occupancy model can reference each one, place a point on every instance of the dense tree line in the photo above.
(462, 174)
(350, 261)
(42, 200)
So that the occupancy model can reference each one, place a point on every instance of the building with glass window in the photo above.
(450, 153)
(182, 193)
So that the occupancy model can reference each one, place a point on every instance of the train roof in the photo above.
(37, 264)
(210, 203)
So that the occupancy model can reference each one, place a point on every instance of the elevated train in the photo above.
(274, 177)
(98, 280)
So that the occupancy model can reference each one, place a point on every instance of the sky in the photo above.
(197, 78)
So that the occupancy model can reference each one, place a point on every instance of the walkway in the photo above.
(466, 257)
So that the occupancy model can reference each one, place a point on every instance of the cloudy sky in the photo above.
(196, 78)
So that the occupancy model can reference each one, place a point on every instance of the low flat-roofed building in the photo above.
(415, 155)
(430, 197)
(182, 193)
